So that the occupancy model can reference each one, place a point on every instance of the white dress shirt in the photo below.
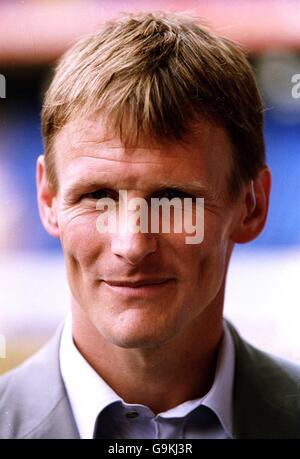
(90, 397)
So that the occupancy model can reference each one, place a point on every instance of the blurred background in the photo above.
(263, 290)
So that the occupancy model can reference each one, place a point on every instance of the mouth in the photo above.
(141, 287)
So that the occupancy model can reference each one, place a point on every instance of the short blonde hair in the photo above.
(153, 75)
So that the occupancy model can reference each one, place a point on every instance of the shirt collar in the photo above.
(219, 397)
(87, 391)
(89, 394)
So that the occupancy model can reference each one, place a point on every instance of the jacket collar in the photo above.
(265, 394)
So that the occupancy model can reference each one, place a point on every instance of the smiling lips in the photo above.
(136, 284)
(141, 286)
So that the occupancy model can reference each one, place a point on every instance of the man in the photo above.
(157, 106)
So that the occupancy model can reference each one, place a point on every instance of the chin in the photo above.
(134, 342)
(130, 336)
(135, 326)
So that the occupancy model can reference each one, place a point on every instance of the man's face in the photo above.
(184, 281)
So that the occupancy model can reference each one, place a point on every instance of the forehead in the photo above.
(85, 149)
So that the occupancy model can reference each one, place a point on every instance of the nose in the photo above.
(133, 247)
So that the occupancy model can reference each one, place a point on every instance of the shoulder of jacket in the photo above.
(29, 392)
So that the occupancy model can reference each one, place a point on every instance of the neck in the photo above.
(159, 377)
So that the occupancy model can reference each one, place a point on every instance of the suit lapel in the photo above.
(58, 424)
(55, 414)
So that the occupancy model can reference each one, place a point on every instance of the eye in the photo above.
(98, 194)
(172, 193)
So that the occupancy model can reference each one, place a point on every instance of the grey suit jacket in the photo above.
(34, 403)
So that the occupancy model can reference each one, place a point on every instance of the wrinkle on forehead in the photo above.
(93, 133)
(115, 160)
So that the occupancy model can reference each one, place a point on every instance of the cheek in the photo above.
(211, 269)
(211, 263)
(79, 236)
(205, 264)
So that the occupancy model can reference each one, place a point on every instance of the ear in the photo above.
(46, 199)
(254, 208)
